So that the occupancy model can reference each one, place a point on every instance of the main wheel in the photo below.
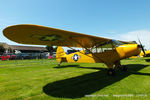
(111, 72)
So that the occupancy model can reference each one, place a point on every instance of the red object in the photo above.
(50, 57)
(8, 56)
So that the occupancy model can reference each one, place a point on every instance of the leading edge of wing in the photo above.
(41, 35)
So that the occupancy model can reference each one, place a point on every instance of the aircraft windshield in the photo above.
(117, 43)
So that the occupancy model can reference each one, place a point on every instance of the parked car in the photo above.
(8, 56)
(54, 55)
(26, 56)
(23, 56)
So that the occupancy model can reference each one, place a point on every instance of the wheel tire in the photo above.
(58, 65)
(111, 72)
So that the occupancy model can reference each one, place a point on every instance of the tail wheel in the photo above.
(111, 72)
(58, 65)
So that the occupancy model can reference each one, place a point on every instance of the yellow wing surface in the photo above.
(41, 35)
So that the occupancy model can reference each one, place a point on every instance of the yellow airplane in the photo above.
(142, 54)
(95, 49)
(147, 54)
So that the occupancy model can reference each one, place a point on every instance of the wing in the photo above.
(40, 35)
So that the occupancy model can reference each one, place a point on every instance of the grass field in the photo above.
(43, 80)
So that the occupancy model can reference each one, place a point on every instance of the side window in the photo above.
(87, 52)
(105, 46)
(97, 50)
(71, 51)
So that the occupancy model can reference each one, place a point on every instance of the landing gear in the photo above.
(111, 72)
(59, 64)
(120, 67)
(115, 66)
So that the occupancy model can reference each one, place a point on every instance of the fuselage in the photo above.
(107, 56)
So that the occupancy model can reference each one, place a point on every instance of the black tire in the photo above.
(58, 65)
(111, 72)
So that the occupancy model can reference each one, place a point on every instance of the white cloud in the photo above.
(144, 36)
(4, 24)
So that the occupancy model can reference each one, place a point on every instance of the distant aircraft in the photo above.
(95, 49)
(147, 53)
(142, 54)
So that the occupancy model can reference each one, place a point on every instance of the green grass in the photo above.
(43, 80)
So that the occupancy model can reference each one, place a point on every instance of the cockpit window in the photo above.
(117, 43)
(87, 52)
(106, 46)
(71, 51)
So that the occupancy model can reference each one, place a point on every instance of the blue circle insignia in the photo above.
(75, 57)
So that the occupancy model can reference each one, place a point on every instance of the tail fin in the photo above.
(60, 54)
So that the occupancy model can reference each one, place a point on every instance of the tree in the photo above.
(50, 49)
(54, 49)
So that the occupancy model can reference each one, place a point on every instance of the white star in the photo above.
(76, 57)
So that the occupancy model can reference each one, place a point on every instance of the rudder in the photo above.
(60, 54)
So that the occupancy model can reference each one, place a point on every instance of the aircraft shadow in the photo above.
(65, 66)
(86, 84)
(147, 60)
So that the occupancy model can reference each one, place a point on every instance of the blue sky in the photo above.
(117, 19)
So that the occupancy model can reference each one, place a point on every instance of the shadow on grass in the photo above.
(86, 84)
(65, 66)
(147, 60)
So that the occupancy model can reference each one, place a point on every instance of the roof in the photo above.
(16, 47)
(5, 45)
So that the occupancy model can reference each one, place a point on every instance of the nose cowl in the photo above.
(128, 50)
(132, 50)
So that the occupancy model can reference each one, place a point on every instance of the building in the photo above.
(23, 49)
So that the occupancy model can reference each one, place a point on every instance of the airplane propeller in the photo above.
(141, 46)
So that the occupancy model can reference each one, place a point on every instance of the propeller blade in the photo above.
(141, 46)
(143, 50)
